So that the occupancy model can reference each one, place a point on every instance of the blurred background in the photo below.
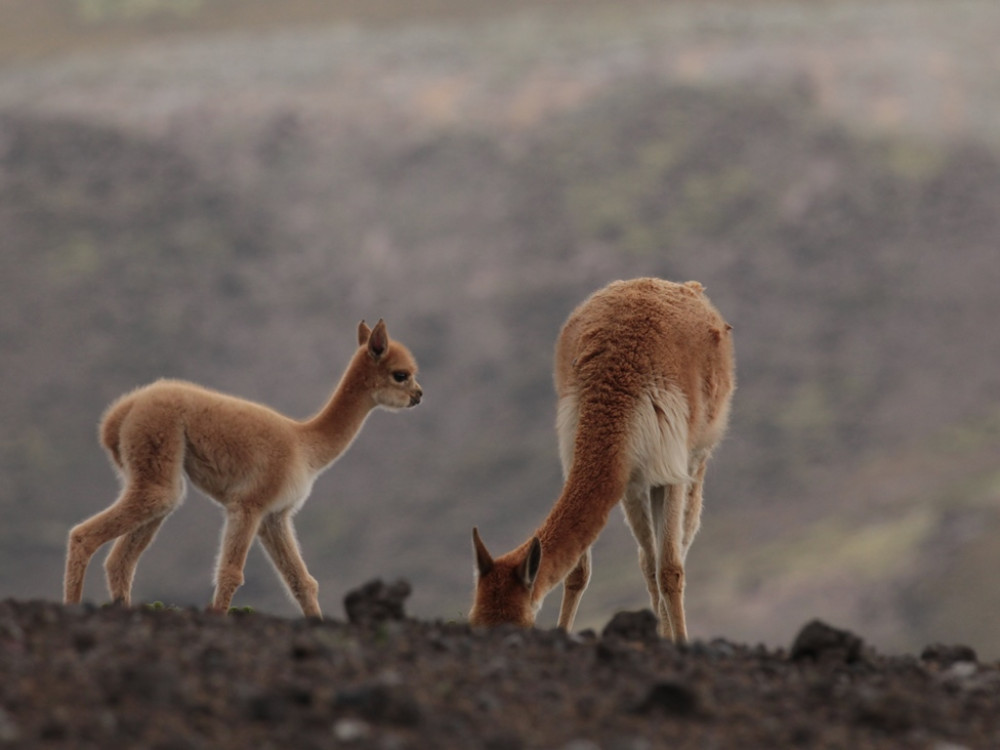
(219, 190)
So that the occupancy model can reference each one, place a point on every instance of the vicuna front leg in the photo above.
(573, 588)
(278, 537)
(241, 527)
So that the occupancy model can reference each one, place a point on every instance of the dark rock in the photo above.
(817, 641)
(671, 698)
(504, 741)
(886, 711)
(613, 651)
(948, 655)
(633, 626)
(301, 695)
(382, 704)
(266, 707)
(513, 641)
(306, 648)
(712, 651)
(377, 602)
(212, 658)
(84, 640)
(9, 731)
(170, 680)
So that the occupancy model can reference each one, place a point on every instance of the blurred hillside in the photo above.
(218, 193)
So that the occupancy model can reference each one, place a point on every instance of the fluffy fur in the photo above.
(644, 373)
(258, 464)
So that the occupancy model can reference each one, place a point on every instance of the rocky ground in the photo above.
(163, 678)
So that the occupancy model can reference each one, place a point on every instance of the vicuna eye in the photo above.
(400, 376)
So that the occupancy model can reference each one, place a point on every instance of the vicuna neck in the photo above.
(596, 483)
(331, 431)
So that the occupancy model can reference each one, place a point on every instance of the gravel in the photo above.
(163, 678)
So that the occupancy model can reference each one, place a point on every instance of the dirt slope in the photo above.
(82, 678)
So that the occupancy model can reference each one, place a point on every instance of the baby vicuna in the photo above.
(644, 376)
(259, 465)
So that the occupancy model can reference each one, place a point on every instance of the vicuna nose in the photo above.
(415, 398)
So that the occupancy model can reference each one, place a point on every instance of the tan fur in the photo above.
(644, 373)
(259, 465)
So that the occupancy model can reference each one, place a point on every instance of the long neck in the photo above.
(330, 432)
(596, 482)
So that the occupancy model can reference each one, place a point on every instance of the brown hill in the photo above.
(82, 678)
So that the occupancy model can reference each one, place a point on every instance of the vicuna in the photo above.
(644, 373)
(258, 464)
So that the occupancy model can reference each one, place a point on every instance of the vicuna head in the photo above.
(390, 371)
(504, 585)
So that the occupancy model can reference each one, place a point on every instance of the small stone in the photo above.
(10, 630)
(948, 655)
(633, 626)
(629, 743)
(488, 703)
(669, 697)
(351, 730)
(383, 704)
(722, 649)
(513, 641)
(817, 640)
(962, 669)
(504, 741)
(266, 708)
(84, 640)
(376, 602)
(8, 728)
(887, 711)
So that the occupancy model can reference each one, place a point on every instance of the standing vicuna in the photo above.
(644, 376)
(259, 465)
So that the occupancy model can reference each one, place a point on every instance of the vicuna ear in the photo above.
(378, 341)
(484, 561)
(364, 332)
(527, 570)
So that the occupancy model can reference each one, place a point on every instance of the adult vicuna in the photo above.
(644, 373)
(258, 464)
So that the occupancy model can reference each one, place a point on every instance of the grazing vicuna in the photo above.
(644, 376)
(258, 464)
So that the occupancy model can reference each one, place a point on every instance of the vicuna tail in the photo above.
(658, 439)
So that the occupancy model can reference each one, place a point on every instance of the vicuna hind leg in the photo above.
(241, 527)
(138, 508)
(278, 537)
(668, 512)
(637, 515)
(573, 588)
(692, 509)
(121, 563)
